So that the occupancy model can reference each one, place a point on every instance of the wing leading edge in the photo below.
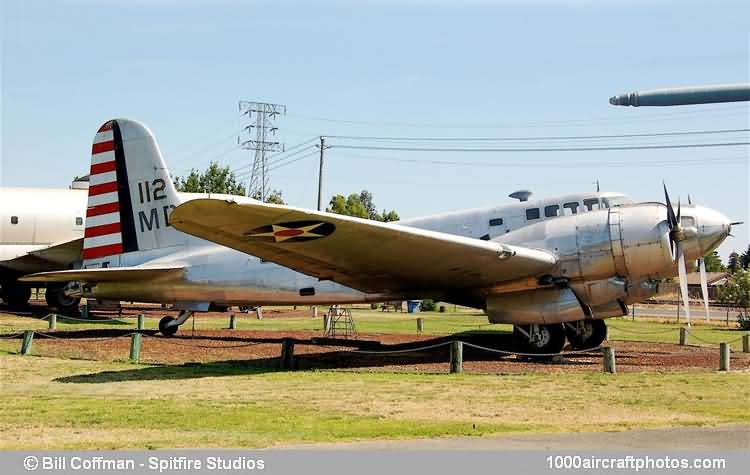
(366, 255)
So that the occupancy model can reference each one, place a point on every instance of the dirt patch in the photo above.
(370, 352)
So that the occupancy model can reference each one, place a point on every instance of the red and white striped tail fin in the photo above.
(130, 195)
(103, 234)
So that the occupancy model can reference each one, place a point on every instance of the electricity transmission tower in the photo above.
(259, 134)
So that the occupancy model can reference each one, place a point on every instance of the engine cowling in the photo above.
(537, 306)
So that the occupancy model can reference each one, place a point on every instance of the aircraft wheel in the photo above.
(15, 296)
(165, 328)
(56, 297)
(585, 334)
(541, 339)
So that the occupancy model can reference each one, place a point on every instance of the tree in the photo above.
(733, 264)
(713, 262)
(736, 291)
(274, 198)
(745, 258)
(215, 179)
(361, 206)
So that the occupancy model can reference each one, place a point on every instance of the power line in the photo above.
(560, 164)
(544, 149)
(514, 139)
(704, 113)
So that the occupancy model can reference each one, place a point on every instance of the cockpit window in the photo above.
(551, 211)
(570, 208)
(591, 204)
(605, 203)
(532, 213)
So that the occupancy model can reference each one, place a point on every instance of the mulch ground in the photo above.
(311, 351)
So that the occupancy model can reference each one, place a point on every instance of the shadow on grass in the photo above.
(331, 360)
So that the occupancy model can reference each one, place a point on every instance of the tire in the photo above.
(165, 328)
(16, 296)
(550, 339)
(55, 297)
(595, 332)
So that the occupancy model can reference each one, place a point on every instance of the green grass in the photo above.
(55, 403)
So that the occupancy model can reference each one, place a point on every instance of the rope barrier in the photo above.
(46, 335)
(690, 332)
(84, 320)
(408, 350)
(175, 342)
(636, 332)
(562, 353)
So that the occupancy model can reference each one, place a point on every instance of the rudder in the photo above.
(130, 195)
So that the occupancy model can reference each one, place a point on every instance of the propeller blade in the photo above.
(671, 218)
(683, 280)
(704, 284)
(679, 211)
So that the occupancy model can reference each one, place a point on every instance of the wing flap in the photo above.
(366, 255)
(109, 274)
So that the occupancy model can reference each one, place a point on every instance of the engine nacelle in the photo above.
(540, 306)
(598, 293)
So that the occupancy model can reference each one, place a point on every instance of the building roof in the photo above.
(713, 278)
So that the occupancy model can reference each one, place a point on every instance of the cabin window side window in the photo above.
(532, 213)
(14, 220)
(79, 221)
(570, 208)
(551, 211)
(591, 204)
(496, 222)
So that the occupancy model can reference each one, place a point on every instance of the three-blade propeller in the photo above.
(676, 236)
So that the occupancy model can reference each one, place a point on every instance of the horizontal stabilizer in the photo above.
(57, 256)
(112, 274)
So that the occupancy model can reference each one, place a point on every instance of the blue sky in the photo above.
(476, 68)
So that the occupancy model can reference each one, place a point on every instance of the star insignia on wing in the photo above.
(293, 232)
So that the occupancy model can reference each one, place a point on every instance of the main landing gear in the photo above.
(550, 339)
(168, 325)
(60, 296)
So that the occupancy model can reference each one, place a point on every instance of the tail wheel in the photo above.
(541, 339)
(585, 334)
(165, 326)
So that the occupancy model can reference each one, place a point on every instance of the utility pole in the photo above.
(320, 173)
(259, 135)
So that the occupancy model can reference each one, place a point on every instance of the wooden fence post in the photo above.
(723, 357)
(28, 339)
(232, 322)
(140, 321)
(746, 343)
(420, 325)
(608, 354)
(287, 353)
(259, 313)
(457, 357)
(315, 313)
(52, 321)
(135, 347)
(683, 336)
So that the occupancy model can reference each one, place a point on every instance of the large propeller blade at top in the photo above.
(676, 236)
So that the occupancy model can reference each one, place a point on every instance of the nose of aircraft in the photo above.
(712, 228)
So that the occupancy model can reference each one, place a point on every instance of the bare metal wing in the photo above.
(57, 256)
(112, 274)
(362, 254)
